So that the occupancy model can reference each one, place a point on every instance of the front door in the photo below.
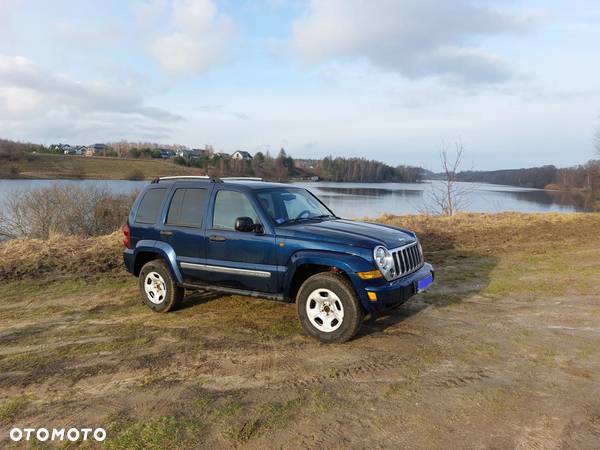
(242, 260)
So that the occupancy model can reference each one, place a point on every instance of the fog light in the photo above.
(370, 275)
(372, 296)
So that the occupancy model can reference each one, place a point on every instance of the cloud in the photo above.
(200, 37)
(35, 100)
(416, 38)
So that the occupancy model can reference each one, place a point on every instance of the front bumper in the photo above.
(393, 293)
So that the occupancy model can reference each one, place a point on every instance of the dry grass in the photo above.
(497, 231)
(60, 255)
(96, 167)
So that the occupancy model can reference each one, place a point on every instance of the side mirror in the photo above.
(244, 224)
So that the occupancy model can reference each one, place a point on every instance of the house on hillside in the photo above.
(201, 152)
(242, 154)
(166, 153)
(221, 155)
(96, 149)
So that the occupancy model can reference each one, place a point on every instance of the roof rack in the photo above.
(206, 177)
(186, 177)
(242, 179)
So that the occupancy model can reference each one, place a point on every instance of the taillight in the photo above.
(126, 236)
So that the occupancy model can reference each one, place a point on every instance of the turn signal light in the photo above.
(373, 274)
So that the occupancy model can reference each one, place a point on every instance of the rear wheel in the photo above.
(158, 287)
(328, 308)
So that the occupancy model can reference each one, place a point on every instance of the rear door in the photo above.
(183, 227)
(143, 218)
(243, 260)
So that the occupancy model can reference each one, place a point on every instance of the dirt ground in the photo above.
(503, 352)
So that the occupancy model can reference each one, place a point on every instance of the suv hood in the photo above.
(348, 232)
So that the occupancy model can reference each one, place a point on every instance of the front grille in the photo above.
(407, 259)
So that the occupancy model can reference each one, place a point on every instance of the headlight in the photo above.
(384, 261)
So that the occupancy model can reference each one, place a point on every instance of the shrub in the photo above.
(135, 175)
(63, 209)
(180, 161)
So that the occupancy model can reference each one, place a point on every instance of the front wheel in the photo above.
(328, 308)
(158, 288)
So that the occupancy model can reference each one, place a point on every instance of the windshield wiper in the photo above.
(298, 219)
(323, 216)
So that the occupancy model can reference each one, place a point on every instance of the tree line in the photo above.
(585, 177)
(534, 177)
(283, 167)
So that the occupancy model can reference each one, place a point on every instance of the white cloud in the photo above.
(35, 101)
(416, 38)
(200, 38)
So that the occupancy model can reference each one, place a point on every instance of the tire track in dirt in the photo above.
(458, 379)
(365, 370)
(357, 370)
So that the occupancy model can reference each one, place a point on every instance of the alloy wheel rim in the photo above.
(155, 288)
(324, 310)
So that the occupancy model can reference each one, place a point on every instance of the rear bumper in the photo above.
(128, 260)
(393, 293)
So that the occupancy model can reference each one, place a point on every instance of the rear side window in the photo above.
(229, 205)
(150, 206)
(187, 208)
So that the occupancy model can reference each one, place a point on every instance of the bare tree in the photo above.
(448, 196)
(62, 209)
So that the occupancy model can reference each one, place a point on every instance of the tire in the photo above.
(328, 308)
(158, 288)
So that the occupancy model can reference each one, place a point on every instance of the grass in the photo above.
(10, 408)
(257, 420)
(96, 167)
(164, 432)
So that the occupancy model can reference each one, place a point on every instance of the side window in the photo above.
(229, 205)
(150, 206)
(187, 208)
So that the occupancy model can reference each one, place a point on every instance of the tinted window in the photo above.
(229, 205)
(150, 206)
(187, 208)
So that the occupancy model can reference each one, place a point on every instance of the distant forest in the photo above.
(584, 177)
(535, 177)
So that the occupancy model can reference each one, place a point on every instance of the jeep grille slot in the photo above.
(407, 259)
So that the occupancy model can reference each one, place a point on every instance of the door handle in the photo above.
(216, 238)
(166, 233)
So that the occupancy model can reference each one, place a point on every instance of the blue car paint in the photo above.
(281, 251)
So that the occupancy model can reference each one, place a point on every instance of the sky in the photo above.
(517, 82)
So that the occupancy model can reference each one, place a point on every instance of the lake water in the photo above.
(372, 199)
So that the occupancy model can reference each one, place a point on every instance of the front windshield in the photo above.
(286, 205)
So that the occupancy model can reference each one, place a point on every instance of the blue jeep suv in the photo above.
(249, 237)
